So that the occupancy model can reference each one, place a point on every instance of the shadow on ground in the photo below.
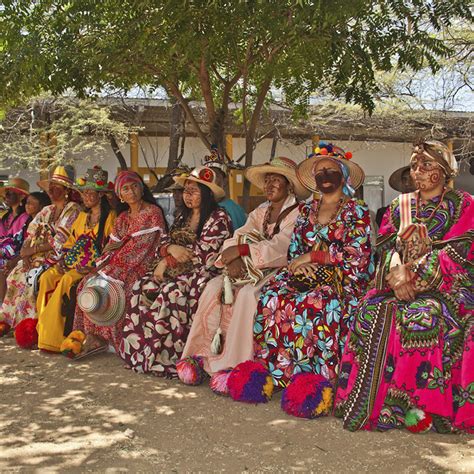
(94, 415)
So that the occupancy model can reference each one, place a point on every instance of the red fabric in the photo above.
(171, 261)
(164, 251)
(244, 250)
(319, 256)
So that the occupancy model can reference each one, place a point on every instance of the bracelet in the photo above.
(171, 261)
(244, 250)
(164, 250)
(319, 256)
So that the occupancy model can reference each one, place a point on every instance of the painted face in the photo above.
(56, 192)
(32, 206)
(131, 193)
(276, 187)
(328, 176)
(178, 197)
(191, 195)
(90, 198)
(12, 198)
(426, 173)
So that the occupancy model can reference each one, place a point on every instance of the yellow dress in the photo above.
(54, 285)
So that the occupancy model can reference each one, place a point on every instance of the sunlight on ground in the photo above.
(455, 456)
(174, 392)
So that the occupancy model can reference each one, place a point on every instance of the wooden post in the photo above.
(48, 141)
(134, 151)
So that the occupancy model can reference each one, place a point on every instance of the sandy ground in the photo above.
(95, 416)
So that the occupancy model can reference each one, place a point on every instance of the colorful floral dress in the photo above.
(20, 300)
(158, 323)
(13, 233)
(400, 355)
(128, 259)
(304, 331)
(56, 285)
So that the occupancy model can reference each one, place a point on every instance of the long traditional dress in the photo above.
(20, 300)
(304, 331)
(236, 320)
(158, 323)
(54, 285)
(401, 355)
(127, 264)
(13, 233)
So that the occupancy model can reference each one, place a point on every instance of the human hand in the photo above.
(180, 253)
(398, 276)
(236, 268)
(307, 269)
(84, 270)
(405, 292)
(159, 272)
(298, 261)
(230, 254)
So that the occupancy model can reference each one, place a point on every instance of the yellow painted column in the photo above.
(134, 151)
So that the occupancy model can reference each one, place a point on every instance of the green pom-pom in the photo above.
(413, 416)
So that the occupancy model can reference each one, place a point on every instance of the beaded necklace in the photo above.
(315, 211)
(417, 210)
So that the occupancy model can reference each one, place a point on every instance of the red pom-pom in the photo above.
(110, 185)
(4, 328)
(348, 155)
(218, 382)
(323, 151)
(190, 370)
(250, 382)
(100, 182)
(418, 421)
(26, 334)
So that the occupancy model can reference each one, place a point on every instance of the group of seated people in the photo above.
(298, 288)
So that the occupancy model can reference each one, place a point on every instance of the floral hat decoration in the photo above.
(353, 174)
(205, 176)
(96, 179)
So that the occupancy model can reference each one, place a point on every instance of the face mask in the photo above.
(328, 176)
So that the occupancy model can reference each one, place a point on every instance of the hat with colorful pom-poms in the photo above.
(26, 335)
(307, 396)
(219, 382)
(250, 382)
(191, 370)
(418, 421)
(96, 179)
(305, 171)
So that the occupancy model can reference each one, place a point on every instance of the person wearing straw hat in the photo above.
(42, 248)
(409, 358)
(88, 237)
(222, 332)
(304, 311)
(164, 302)
(104, 296)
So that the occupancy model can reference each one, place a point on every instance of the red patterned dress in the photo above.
(127, 263)
(158, 323)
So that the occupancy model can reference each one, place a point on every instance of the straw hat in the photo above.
(19, 185)
(96, 179)
(205, 176)
(396, 182)
(63, 175)
(103, 300)
(281, 165)
(331, 152)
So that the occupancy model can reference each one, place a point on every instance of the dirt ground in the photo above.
(95, 416)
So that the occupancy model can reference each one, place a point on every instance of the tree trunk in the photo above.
(118, 153)
(274, 144)
(249, 139)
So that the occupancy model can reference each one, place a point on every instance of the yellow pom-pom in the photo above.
(77, 336)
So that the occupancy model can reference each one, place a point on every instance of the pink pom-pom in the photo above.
(250, 382)
(190, 370)
(307, 396)
(26, 334)
(218, 382)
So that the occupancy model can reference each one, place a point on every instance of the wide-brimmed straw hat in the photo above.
(281, 165)
(205, 176)
(16, 184)
(96, 179)
(395, 181)
(63, 175)
(329, 152)
(102, 300)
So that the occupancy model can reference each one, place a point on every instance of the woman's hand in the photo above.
(26, 263)
(236, 268)
(230, 254)
(27, 251)
(298, 261)
(398, 276)
(307, 269)
(159, 272)
(61, 266)
(84, 270)
(180, 253)
(405, 292)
